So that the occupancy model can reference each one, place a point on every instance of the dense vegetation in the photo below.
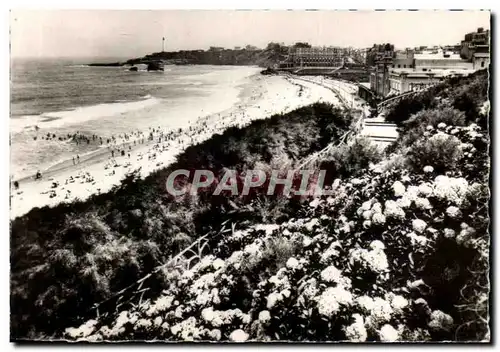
(460, 93)
(249, 55)
(66, 258)
(400, 251)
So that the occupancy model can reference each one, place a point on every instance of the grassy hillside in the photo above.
(66, 258)
(400, 252)
(465, 94)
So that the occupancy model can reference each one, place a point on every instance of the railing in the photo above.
(136, 291)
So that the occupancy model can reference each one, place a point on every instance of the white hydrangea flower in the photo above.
(388, 334)
(442, 125)
(377, 208)
(375, 259)
(310, 225)
(330, 252)
(306, 241)
(252, 249)
(366, 205)
(330, 300)
(412, 192)
(425, 189)
(381, 310)
(330, 274)
(367, 214)
(208, 314)
(449, 233)
(404, 201)
(273, 298)
(393, 210)
(429, 128)
(399, 189)
(423, 203)
(451, 189)
(356, 181)
(218, 263)
(453, 212)
(399, 302)
(367, 224)
(428, 169)
(158, 321)
(343, 296)
(246, 318)
(238, 336)
(366, 303)
(315, 203)
(377, 245)
(310, 290)
(216, 334)
(405, 178)
(419, 225)
(143, 323)
(440, 321)
(378, 219)
(417, 240)
(465, 234)
(356, 332)
(264, 316)
(83, 331)
(292, 263)
(327, 304)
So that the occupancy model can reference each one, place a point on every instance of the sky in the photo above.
(133, 33)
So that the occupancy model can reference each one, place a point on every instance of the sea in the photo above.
(52, 100)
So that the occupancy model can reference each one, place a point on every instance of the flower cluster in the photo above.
(348, 266)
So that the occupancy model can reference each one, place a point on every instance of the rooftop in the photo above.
(436, 72)
(481, 54)
(438, 56)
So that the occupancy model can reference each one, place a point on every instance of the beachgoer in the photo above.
(38, 175)
(16, 185)
(78, 159)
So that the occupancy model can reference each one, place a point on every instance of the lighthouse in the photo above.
(163, 45)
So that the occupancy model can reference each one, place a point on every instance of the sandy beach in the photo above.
(156, 147)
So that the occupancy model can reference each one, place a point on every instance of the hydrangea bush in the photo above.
(395, 255)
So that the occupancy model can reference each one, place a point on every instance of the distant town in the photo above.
(380, 71)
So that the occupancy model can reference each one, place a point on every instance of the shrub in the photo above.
(416, 125)
(440, 151)
(348, 160)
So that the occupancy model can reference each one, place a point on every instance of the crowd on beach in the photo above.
(158, 144)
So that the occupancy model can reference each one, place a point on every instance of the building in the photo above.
(403, 59)
(314, 57)
(440, 60)
(374, 53)
(410, 71)
(379, 76)
(480, 60)
(475, 42)
(403, 81)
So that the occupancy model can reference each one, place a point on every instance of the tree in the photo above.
(302, 45)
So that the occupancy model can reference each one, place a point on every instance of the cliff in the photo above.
(269, 56)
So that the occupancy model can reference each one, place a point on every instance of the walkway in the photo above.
(380, 132)
(376, 129)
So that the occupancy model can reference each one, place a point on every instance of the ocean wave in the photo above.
(79, 115)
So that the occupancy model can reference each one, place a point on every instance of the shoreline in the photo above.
(260, 97)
